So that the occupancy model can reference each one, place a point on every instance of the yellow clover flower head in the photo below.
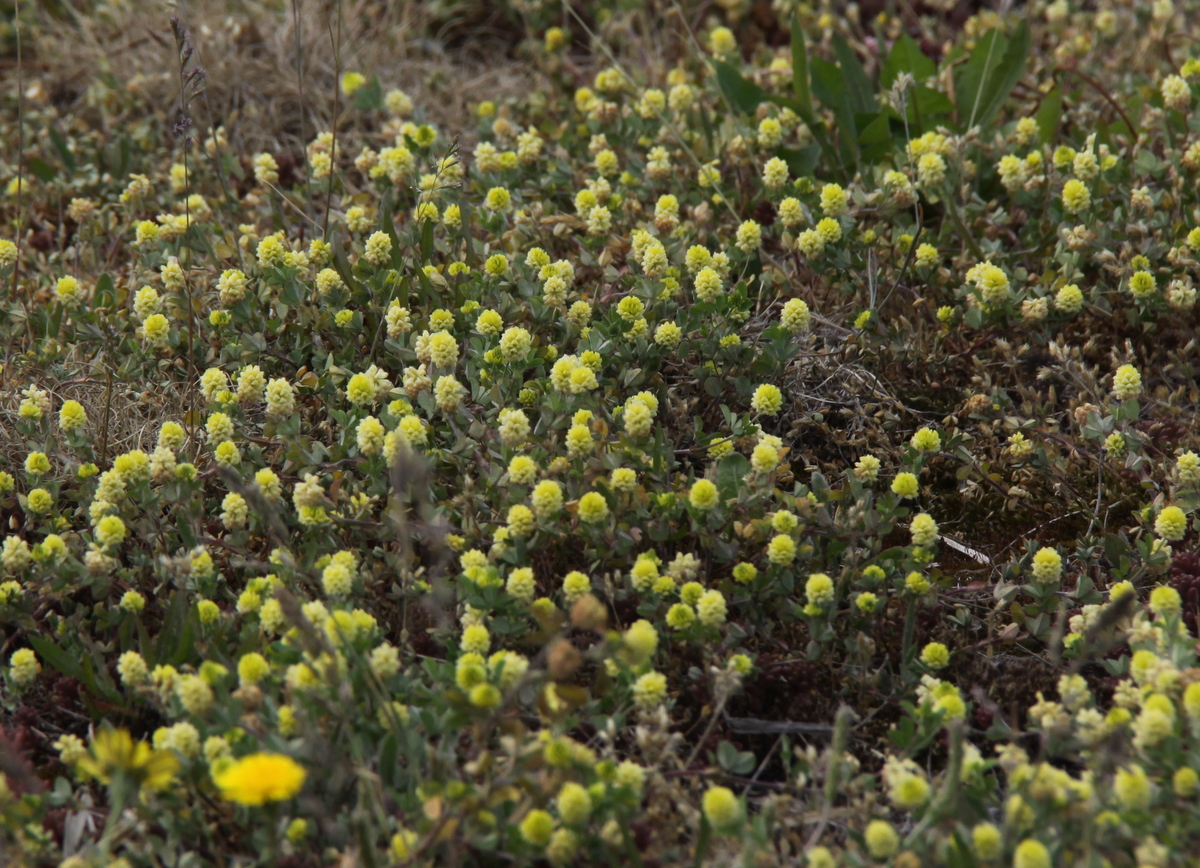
(881, 839)
(926, 440)
(703, 495)
(935, 655)
(1031, 853)
(1171, 524)
(767, 400)
(1127, 383)
(905, 485)
(721, 808)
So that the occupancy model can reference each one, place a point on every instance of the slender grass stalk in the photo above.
(336, 42)
(300, 92)
(20, 218)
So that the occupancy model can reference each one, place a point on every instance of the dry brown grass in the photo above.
(133, 415)
(249, 51)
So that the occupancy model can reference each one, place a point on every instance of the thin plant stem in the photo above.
(910, 622)
(20, 218)
(215, 159)
(300, 90)
(337, 111)
(108, 390)
(971, 243)
(841, 734)
(189, 80)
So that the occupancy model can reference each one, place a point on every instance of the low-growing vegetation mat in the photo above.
(602, 434)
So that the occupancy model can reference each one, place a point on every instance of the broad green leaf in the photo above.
(744, 94)
(988, 77)
(96, 672)
(390, 228)
(42, 169)
(705, 125)
(875, 137)
(368, 97)
(187, 639)
(1008, 73)
(426, 241)
(800, 71)
(87, 675)
(803, 104)
(970, 82)
(55, 320)
(1048, 115)
(65, 663)
(64, 152)
(464, 207)
(176, 614)
(906, 56)
(730, 471)
(342, 264)
(387, 759)
(873, 128)
(858, 86)
(800, 161)
(123, 154)
(830, 88)
(926, 102)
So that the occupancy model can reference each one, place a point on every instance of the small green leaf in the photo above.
(726, 755)
(291, 294)
(106, 294)
(1145, 163)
